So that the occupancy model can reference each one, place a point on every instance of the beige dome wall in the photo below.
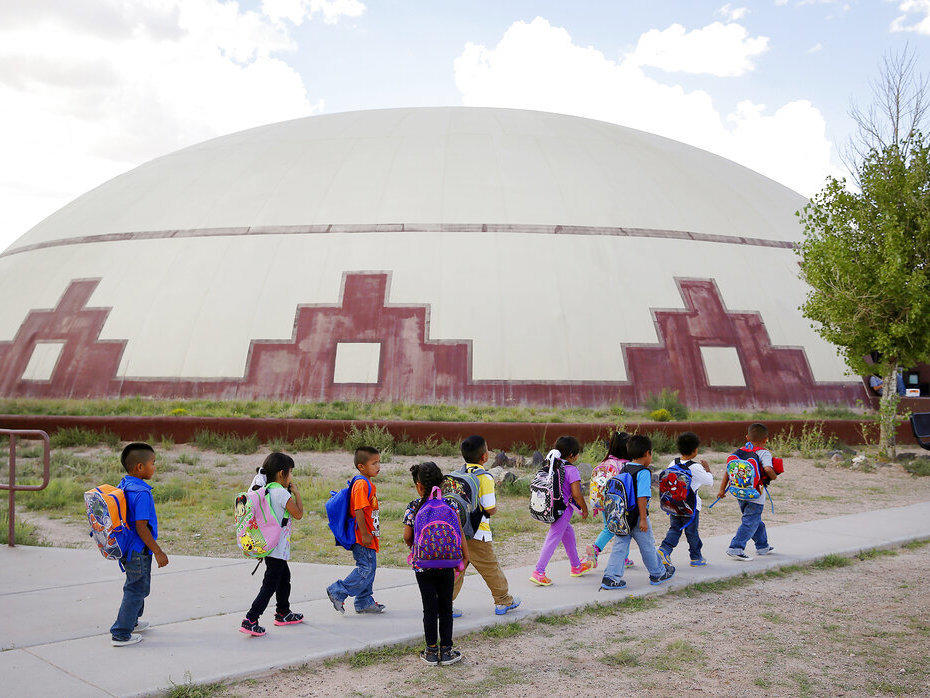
(449, 254)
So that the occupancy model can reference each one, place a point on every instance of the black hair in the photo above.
(427, 474)
(617, 445)
(135, 453)
(757, 431)
(275, 463)
(568, 446)
(688, 443)
(473, 448)
(363, 454)
(638, 446)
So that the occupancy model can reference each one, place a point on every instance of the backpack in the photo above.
(106, 513)
(675, 494)
(547, 502)
(340, 519)
(437, 537)
(744, 472)
(460, 489)
(258, 531)
(608, 468)
(620, 512)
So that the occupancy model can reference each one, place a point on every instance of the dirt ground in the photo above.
(863, 629)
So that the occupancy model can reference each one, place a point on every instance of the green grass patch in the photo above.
(79, 436)
(23, 533)
(919, 467)
(226, 443)
(501, 630)
(916, 544)
(192, 690)
(831, 561)
(376, 655)
(621, 658)
(872, 554)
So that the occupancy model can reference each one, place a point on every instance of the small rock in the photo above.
(538, 459)
(497, 473)
(905, 457)
(509, 476)
(502, 460)
(861, 462)
(841, 454)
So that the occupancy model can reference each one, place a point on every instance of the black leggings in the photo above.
(436, 591)
(277, 581)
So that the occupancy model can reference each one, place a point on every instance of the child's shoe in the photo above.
(663, 557)
(340, 606)
(612, 584)
(664, 577)
(288, 618)
(628, 563)
(581, 569)
(140, 626)
(593, 552)
(457, 612)
(700, 562)
(251, 627)
(501, 609)
(430, 655)
(374, 608)
(767, 550)
(448, 655)
(540, 579)
(738, 555)
(131, 640)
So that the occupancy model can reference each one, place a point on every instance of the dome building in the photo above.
(458, 255)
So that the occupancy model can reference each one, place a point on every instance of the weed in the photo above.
(374, 655)
(831, 561)
(370, 435)
(192, 690)
(61, 493)
(516, 488)
(502, 630)
(662, 415)
(621, 658)
(919, 467)
(916, 544)
(872, 554)
(226, 443)
(662, 442)
(667, 400)
(189, 459)
(170, 491)
(830, 411)
(564, 619)
(894, 689)
(79, 436)
(23, 534)
(761, 682)
(772, 617)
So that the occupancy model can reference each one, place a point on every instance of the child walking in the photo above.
(688, 444)
(751, 526)
(609, 467)
(276, 476)
(364, 508)
(435, 583)
(141, 540)
(639, 448)
(566, 452)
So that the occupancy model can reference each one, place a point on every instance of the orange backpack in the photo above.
(106, 514)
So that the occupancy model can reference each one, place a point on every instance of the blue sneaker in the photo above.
(700, 562)
(609, 584)
(457, 612)
(664, 577)
(501, 609)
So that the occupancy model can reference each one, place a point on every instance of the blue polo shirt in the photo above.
(644, 483)
(140, 506)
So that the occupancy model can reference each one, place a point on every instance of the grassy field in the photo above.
(662, 407)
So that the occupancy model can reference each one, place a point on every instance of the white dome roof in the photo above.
(429, 167)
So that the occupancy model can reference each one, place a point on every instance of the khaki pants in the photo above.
(481, 555)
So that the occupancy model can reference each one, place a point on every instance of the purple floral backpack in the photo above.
(437, 534)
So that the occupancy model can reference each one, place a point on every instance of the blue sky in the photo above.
(91, 88)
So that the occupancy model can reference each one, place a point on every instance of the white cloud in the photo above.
(91, 88)
(732, 14)
(816, 48)
(537, 66)
(914, 17)
(296, 11)
(724, 50)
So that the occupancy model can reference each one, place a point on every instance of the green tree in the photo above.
(866, 258)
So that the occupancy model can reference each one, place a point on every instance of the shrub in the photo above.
(919, 467)
(79, 436)
(178, 412)
(661, 415)
(170, 491)
(370, 435)
(668, 400)
(662, 442)
(226, 443)
(61, 494)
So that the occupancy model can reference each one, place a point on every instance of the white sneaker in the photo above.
(739, 555)
(140, 626)
(133, 639)
(768, 550)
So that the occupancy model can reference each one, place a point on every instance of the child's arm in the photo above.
(145, 533)
(362, 527)
(579, 499)
(408, 536)
(295, 505)
(724, 481)
(464, 545)
(643, 513)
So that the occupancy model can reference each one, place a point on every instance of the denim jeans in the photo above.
(360, 580)
(691, 533)
(647, 548)
(751, 527)
(136, 588)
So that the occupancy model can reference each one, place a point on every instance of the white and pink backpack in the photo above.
(258, 531)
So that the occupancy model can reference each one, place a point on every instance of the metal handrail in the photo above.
(31, 434)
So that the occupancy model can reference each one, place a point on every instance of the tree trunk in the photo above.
(887, 412)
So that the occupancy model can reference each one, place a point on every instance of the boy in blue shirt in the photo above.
(639, 449)
(138, 461)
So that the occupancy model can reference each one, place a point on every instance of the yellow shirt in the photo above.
(486, 500)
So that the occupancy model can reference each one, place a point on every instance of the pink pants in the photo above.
(559, 532)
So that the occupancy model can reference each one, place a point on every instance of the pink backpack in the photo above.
(437, 534)
(257, 529)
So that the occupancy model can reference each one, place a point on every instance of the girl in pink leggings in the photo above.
(566, 452)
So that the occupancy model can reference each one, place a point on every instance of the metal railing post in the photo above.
(11, 485)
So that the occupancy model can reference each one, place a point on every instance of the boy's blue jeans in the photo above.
(751, 527)
(690, 531)
(136, 588)
(647, 548)
(360, 580)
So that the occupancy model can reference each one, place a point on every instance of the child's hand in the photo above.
(584, 513)
(161, 558)
(706, 467)
(643, 525)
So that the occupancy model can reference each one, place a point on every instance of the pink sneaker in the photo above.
(628, 563)
(593, 552)
(540, 579)
(581, 569)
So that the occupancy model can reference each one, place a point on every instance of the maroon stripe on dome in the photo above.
(404, 228)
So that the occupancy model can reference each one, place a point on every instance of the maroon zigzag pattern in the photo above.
(415, 369)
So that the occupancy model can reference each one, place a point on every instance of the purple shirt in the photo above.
(571, 475)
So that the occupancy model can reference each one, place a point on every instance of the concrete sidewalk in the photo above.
(56, 606)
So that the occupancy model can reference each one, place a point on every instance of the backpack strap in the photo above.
(435, 493)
